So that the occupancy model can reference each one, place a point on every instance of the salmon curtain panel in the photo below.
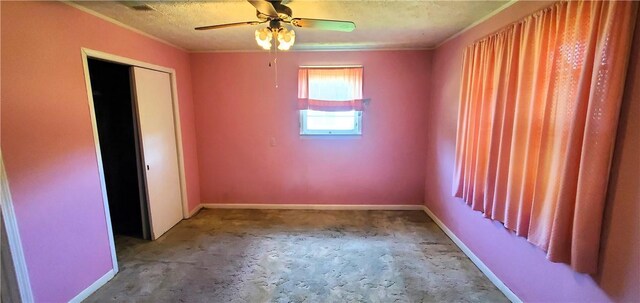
(539, 107)
(330, 89)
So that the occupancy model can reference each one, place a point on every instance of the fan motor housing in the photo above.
(284, 12)
(274, 24)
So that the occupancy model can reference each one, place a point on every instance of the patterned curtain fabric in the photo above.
(539, 107)
(330, 89)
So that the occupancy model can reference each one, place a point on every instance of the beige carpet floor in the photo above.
(297, 256)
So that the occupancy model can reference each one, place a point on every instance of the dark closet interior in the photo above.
(121, 160)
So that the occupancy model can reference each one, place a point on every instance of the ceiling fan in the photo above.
(277, 14)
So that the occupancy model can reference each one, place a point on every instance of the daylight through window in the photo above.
(330, 101)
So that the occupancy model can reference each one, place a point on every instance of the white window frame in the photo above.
(304, 131)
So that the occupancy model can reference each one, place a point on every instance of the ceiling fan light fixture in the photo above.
(277, 15)
(286, 38)
(283, 37)
(264, 37)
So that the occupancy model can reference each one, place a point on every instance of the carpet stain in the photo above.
(297, 256)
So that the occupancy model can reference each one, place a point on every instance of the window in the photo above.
(313, 122)
(330, 101)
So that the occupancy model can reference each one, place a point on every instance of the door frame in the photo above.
(94, 54)
(13, 238)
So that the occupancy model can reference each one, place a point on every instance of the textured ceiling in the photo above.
(379, 24)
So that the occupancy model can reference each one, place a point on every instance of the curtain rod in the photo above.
(328, 66)
(521, 20)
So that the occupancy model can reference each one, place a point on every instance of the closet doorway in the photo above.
(137, 135)
(119, 136)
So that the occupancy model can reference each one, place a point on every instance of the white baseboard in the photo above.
(483, 267)
(314, 206)
(93, 287)
(194, 211)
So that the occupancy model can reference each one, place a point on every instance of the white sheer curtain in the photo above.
(330, 89)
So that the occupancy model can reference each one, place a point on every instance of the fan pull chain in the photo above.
(270, 55)
(273, 52)
(275, 62)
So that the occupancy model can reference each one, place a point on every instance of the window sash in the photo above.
(305, 130)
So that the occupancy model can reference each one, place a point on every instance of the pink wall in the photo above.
(519, 264)
(238, 110)
(47, 140)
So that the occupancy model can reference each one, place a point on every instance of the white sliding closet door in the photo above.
(155, 117)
